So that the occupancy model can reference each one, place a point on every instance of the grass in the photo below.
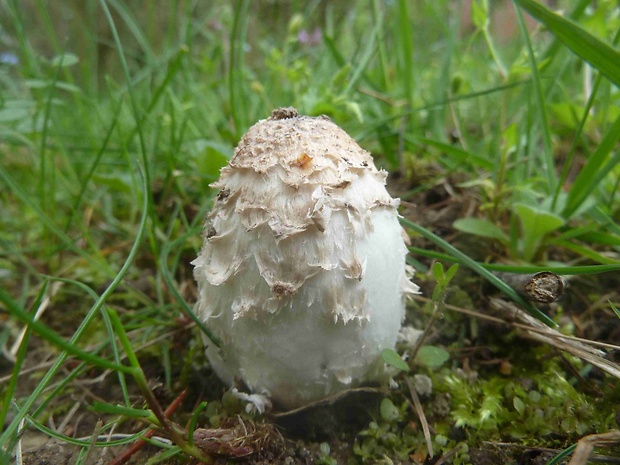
(114, 120)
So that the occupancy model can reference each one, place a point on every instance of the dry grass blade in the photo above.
(330, 400)
(586, 445)
(543, 333)
(53, 289)
(91, 449)
(483, 316)
(448, 455)
(420, 412)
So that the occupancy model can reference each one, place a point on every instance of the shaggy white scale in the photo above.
(302, 275)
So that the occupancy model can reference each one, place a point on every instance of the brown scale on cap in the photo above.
(284, 113)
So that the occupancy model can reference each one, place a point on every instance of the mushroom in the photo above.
(302, 274)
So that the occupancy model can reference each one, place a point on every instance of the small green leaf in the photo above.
(510, 139)
(120, 182)
(439, 273)
(536, 224)
(64, 60)
(518, 405)
(481, 227)
(340, 79)
(451, 272)
(392, 358)
(13, 114)
(388, 410)
(211, 161)
(480, 13)
(432, 356)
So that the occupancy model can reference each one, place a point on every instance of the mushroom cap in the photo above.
(302, 274)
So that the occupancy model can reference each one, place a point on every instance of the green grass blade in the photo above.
(614, 308)
(130, 439)
(561, 270)
(52, 337)
(457, 155)
(548, 164)
(185, 308)
(121, 410)
(34, 397)
(405, 36)
(597, 167)
(19, 360)
(132, 25)
(47, 174)
(562, 455)
(588, 252)
(132, 97)
(593, 50)
(476, 267)
(238, 107)
(369, 48)
(371, 127)
(568, 163)
(174, 66)
(93, 167)
(67, 242)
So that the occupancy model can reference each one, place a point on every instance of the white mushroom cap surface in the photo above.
(302, 273)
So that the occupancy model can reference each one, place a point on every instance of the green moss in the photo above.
(536, 405)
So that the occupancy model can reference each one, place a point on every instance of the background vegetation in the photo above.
(501, 136)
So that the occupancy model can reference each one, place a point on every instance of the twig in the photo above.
(544, 287)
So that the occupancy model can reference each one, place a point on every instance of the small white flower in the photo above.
(302, 273)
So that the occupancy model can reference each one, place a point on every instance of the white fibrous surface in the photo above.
(302, 274)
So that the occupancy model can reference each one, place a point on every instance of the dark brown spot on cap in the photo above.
(223, 194)
(282, 289)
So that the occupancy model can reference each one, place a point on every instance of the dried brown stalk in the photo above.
(417, 405)
(540, 332)
(140, 443)
(543, 287)
(586, 445)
